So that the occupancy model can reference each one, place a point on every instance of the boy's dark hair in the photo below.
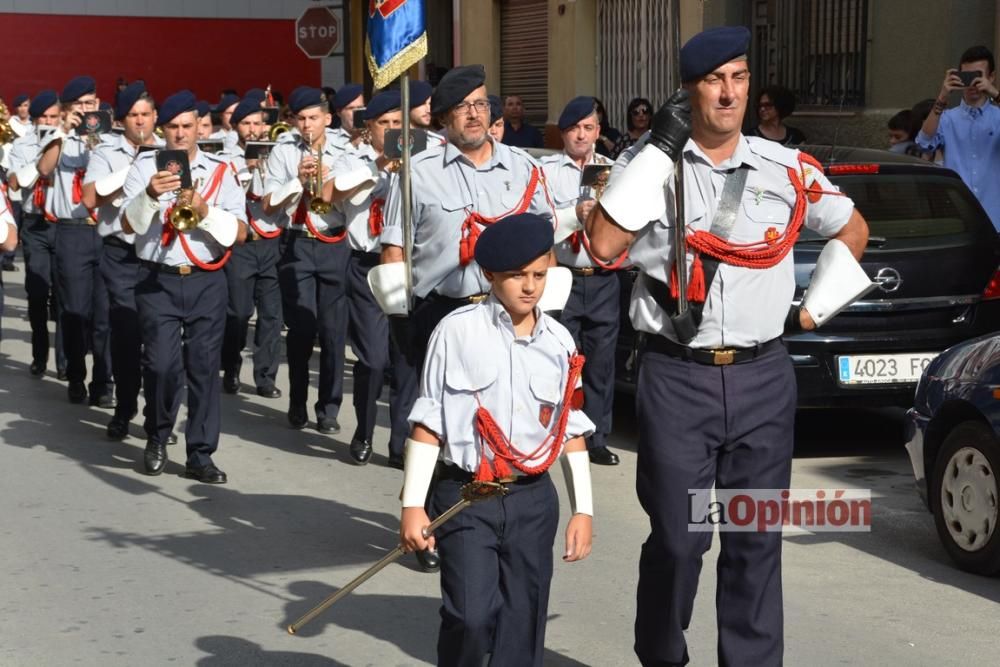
(782, 99)
(903, 120)
(977, 53)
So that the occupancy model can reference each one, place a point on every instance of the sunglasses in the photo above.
(644, 111)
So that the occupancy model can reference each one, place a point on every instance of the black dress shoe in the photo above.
(62, 375)
(396, 461)
(328, 426)
(361, 451)
(37, 368)
(117, 428)
(269, 392)
(429, 560)
(206, 474)
(9, 266)
(154, 458)
(77, 392)
(104, 401)
(603, 456)
(172, 438)
(297, 416)
(230, 383)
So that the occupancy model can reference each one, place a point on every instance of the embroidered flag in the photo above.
(396, 40)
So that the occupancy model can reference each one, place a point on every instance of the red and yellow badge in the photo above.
(772, 235)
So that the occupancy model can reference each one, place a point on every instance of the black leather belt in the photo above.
(118, 243)
(453, 473)
(306, 234)
(709, 357)
(587, 271)
(179, 270)
(77, 221)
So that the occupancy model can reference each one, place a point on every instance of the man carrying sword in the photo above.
(716, 391)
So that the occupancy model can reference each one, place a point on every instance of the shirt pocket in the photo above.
(454, 200)
(766, 210)
(470, 380)
(545, 389)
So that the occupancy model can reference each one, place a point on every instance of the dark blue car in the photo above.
(952, 439)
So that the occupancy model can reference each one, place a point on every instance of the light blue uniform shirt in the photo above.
(563, 177)
(115, 154)
(283, 167)
(474, 358)
(446, 187)
(970, 137)
(252, 182)
(228, 196)
(75, 156)
(24, 151)
(356, 215)
(744, 306)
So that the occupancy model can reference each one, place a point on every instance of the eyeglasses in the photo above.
(481, 106)
(641, 111)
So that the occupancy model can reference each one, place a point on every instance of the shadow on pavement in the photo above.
(228, 651)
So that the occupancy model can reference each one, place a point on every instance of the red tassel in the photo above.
(78, 185)
(574, 241)
(501, 469)
(376, 217)
(484, 473)
(674, 292)
(696, 288)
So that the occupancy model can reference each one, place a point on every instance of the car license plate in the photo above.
(882, 368)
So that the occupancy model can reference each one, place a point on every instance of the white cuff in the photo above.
(221, 225)
(576, 469)
(567, 223)
(418, 469)
(837, 281)
(111, 183)
(4, 230)
(354, 178)
(639, 195)
(140, 212)
(292, 187)
(388, 285)
(26, 176)
(54, 136)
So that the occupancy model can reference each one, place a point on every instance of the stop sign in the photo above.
(317, 32)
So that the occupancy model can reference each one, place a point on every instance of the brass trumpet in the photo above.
(183, 216)
(277, 130)
(317, 204)
(6, 132)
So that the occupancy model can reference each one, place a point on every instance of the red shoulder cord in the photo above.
(470, 226)
(169, 232)
(762, 254)
(39, 197)
(505, 454)
(376, 217)
(302, 217)
(78, 191)
(253, 223)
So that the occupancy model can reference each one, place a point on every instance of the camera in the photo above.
(359, 119)
(968, 77)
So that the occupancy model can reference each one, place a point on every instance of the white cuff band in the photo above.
(418, 469)
(57, 135)
(576, 469)
(837, 282)
(292, 187)
(221, 225)
(558, 285)
(638, 194)
(111, 183)
(26, 176)
(566, 223)
(4, 230)
(140, 212)
(354, 178)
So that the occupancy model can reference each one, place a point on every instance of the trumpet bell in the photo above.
(319, 206)
(184, 218)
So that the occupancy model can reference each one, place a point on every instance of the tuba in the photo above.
(317, 204)
(277, 130)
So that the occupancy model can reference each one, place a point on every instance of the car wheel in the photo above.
(965, 497)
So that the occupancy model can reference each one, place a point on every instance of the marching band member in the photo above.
(345, 102)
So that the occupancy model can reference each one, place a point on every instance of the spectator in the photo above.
(640, 112)
(774, 105)
(918, 114)
(516, 132)
(609, 135)
(969, 133)
(900, 132)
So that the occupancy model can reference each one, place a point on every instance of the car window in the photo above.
(912, 206)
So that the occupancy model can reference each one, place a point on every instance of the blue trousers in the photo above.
(699, 425)
(38, 241)
(591, 315)
(120, 272)
(313, 277)
(182, 320)
(252, 274)
(369, 334)
(496, 568)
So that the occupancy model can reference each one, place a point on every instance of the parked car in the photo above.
(935, 256)
(952, 439)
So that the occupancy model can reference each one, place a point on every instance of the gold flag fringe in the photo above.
(401, 62)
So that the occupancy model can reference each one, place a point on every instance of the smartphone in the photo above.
(393, 148)
(176, 162)
(359, 119)
(258, 150)
(271, 115)
(968, 77)
(94, 122)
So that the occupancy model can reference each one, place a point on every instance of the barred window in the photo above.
(815, 48)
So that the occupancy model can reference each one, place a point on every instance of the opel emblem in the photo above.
(888, 279)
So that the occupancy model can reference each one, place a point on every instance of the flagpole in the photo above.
(404, 186)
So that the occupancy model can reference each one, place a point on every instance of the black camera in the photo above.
(968, 77)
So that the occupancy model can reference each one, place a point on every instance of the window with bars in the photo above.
(815, 48)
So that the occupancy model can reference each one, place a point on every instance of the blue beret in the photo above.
(455, 85)
(496, 108)
(105, 106)
(707, 50)
(256, 92)
(514, 241)
(304, 97)
(419, 92)
(576, 110)
(226, 102)
(178, 103)
(203, 108)
(347, 94)
(41, 103)
(128, 97)
(384, 102)
(247, 106)
(77, 88)
(19, 100)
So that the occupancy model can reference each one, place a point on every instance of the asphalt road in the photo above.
(102, 565)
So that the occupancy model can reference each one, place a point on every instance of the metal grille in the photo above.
(815, 48)
(635, 54)
(524, 56)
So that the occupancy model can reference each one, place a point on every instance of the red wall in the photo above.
(206, 55)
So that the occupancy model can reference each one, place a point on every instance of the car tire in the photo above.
(964, 497)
